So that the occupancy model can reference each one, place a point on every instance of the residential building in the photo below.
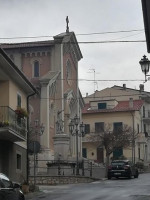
(15, 89)
(118, 106)
(52, 67)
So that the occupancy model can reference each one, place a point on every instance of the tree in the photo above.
(120, 137)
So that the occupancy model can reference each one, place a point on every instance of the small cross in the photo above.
(67, 21)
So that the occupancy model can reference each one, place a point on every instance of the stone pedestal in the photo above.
(61, 146)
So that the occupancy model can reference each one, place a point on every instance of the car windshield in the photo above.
(2, 176)
(118, 163)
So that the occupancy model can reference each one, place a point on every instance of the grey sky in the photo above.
(117, 61)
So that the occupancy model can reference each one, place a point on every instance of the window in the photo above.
(144, 128)
(101, 105)
(118, 126)
(87, 128)
(146, 152)
(36, 69)
(7, 183)
(18, 161)
(99, 127)
(139, 153)
(1, 184)
(143, 111)
(138, 128)
(84, 152)
(18, 100)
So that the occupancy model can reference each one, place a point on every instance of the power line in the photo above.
(92, 42)
(103, 80)
(111, 41)
(79, 34)
(126, 36)
(92, 97)
(111, 32)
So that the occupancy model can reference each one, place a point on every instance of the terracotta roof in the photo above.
(122, 106)
(27, 44)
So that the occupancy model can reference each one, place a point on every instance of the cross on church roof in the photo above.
(67, 22)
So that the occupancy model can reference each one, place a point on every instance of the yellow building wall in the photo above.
(109, 118)
(9, 91)
(4, 93)
(13, 91)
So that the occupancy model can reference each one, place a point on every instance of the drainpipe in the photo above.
(133, 140)
(28, 135)
(131, 104)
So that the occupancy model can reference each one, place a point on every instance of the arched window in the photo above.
(36, 69)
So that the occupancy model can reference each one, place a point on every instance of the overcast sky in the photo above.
(111, 61)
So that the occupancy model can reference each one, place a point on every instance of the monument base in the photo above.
(61, 147)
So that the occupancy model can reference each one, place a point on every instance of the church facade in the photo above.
(52, 67)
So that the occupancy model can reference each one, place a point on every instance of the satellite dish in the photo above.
(34, 147)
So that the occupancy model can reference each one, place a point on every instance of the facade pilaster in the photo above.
(44, 110)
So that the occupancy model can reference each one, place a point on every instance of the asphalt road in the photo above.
(115, 189)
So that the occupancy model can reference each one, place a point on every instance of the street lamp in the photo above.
(145, 64)
(75, 131)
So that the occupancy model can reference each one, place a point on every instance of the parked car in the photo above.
(122, 168)
(10, 190)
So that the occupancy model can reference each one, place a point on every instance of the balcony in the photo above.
(12, 126)
(91, 137)
(146, 117)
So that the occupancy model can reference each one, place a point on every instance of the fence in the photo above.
(66, 168)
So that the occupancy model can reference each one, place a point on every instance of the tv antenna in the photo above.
(94, 82)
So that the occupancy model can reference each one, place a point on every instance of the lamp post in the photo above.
(39, 129)
(76, 129)
(145, 64)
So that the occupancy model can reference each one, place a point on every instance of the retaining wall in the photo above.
(55, 180)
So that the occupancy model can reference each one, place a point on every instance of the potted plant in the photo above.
(6, 123)
(21, 112)
(24, 184)
(25, 187)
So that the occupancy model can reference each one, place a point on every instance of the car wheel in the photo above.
(136, 175)
(21, 198)
(130, 176)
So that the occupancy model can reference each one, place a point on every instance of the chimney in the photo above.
(124, 86)
(130, 102)
(141, 87)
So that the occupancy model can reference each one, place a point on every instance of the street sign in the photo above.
(34, 147)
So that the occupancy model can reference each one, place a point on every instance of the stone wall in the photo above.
(55, 180)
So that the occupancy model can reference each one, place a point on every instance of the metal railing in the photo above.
(87, 168)
(10, 119)
(146, 114)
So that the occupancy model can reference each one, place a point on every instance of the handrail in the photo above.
(10, 119)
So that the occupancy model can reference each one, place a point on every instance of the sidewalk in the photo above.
(32, 195)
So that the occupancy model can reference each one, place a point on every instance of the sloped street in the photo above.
(115, 189)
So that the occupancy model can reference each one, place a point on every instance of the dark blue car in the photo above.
(9, 190)
(122, 168)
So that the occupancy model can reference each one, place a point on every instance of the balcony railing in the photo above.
(91, 137)
(10, 121)
(146, 116)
